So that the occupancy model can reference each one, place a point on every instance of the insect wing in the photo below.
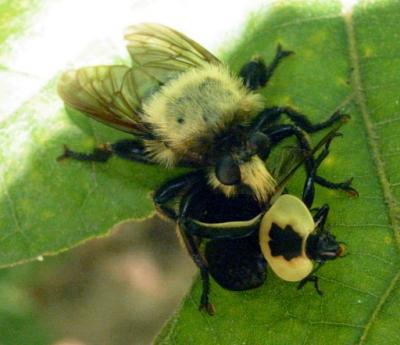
(109, 94)
(114, 94)
(162, 53)
(285, 161)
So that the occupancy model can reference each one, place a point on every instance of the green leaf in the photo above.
(349, 62)
(45, 206)
(14, 18)
(48, 206)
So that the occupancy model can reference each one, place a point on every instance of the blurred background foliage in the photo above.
(109, 291)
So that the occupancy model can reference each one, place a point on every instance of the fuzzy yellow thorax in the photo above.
(189, 111)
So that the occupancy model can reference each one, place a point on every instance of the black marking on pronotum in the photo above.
(285, 242)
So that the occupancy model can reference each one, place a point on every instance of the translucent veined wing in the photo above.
(114, 94)
(110, 94)
(284, 161)
(163, 53)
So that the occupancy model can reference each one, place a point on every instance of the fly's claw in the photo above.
(66, 154)
(280, 53)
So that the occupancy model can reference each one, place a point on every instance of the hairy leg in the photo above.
(129, 149)
(256, 73)
(269, 116)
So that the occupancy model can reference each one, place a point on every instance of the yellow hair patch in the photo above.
(253, 174)
(198, 104)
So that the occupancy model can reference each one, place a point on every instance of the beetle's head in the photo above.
(323, 246)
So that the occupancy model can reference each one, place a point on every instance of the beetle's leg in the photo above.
(256, 73)
(321, 216)
(310, 278)
(172, 189)
(270, 115)
(129, 149)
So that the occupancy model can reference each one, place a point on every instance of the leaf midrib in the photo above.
(390, 200)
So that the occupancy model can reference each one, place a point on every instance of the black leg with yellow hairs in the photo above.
(256, 73)
(128, 149)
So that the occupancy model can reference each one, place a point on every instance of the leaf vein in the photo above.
(378, 308)
(338, 324)
(14, 214)
(348, 286)
(378, 161)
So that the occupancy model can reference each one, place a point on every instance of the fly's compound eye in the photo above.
(227, 171)
(259, 142)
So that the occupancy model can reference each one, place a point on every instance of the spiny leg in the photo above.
(278, 133)
(256, 73)
(345, 186)
(192, 183)
(308, 189)
(132, 150)
(173, 189)
(193, 250)
(99, 154)
(205, 303)
(311, 278)
(192, 245)
(270, 115)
